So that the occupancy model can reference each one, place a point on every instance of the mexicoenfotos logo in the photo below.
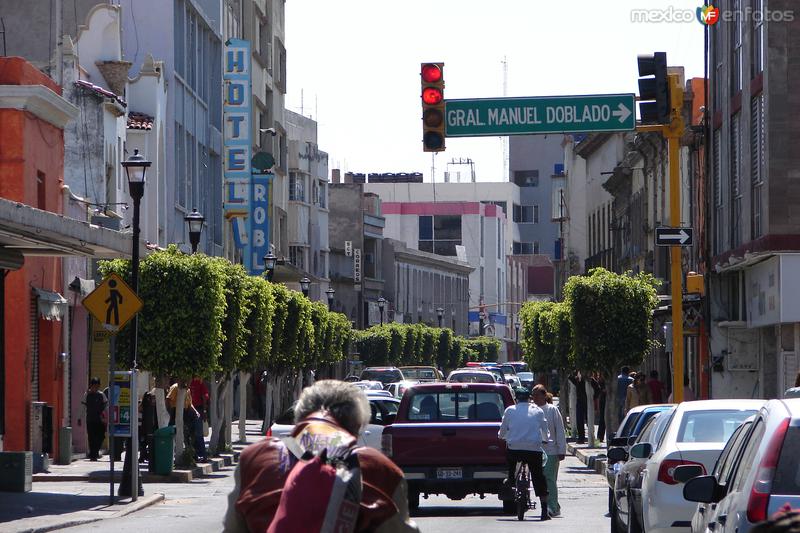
(707, 15)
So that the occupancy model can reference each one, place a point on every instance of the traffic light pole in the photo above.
(672, 132)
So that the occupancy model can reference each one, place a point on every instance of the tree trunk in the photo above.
(179, 444)
(243, 378)
(612, 409)
(573, 409)
(563, 403)
(218, 389)
(589, 410)
(162, 413)
(229, 410)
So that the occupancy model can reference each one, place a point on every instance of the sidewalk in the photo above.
(592, 457)
(78, 493)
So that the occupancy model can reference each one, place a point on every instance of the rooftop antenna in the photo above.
(467, 161)
(504, 140)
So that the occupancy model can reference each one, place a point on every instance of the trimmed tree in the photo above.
(611, 317)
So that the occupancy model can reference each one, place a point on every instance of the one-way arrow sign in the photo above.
(674, 236)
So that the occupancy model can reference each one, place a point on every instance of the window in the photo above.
(729, 459)
(297, 256)
(499, 239)
(757, 48)
(440, 234)
(526, 248)
(748, 455)
(717, 176)
(180, 165)
(736, 48)
(526, 178)
(457, 407)
(41, 196)
(499, 285)
(756, 163)
(323, 194)
(711, 426)
(526, 214)
(735, 186)
(297, 187)
(482, 222)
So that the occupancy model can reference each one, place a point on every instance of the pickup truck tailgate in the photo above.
(446, 444)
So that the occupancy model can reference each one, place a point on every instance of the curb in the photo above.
(596, 461)
(130, 508)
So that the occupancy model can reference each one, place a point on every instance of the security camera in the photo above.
(271, 131)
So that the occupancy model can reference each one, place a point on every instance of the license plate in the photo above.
(449, 473)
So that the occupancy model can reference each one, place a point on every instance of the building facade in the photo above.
(752, 197)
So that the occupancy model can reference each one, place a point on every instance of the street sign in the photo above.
(113, 303)
(539, 114)
(674, 236)
(348, 248)
(357, 265)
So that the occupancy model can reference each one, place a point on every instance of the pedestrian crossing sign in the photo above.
(113, 303)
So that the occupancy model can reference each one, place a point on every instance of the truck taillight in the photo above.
(269, 432)
(759, 494)
(666, 472)
(386, 445)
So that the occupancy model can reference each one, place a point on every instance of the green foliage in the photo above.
(444, 348)
(180, 326)
(546, 335)
(258, 323)
(611, 317)
(237, 336)
(480, 349)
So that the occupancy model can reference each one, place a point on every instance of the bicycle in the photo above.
(522, 491)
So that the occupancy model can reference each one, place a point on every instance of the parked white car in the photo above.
(383, 406)
(757, 474)
(696, 435)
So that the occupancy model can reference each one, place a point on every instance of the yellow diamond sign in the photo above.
(113, 303)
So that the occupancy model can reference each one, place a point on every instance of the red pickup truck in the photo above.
(444, 437)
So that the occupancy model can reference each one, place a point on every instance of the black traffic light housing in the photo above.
(432, 96)
(654, 98)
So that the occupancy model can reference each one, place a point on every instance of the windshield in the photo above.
(471, 377)
(420, 373)
(456, 407)
(711, 426)
(384, 376)
(508, 369)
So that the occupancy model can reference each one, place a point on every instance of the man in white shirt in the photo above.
(555, 449)
(524, 428)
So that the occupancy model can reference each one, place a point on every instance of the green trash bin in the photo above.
(163, 441)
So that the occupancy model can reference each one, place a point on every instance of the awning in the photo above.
(52, 305)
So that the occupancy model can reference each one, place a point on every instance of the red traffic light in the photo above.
(432, 95)
(431, 73)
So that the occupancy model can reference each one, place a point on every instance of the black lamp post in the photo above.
(330, 292)
(195, 221)
(453, 317)
(269, 265)
(304, 284)
(439, 315)
(136, 169)
(381, 305)
(516, 336)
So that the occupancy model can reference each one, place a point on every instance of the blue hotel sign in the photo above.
(246, 196)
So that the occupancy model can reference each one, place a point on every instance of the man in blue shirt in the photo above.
(524, 428)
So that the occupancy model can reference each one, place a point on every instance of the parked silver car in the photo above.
(762, 476)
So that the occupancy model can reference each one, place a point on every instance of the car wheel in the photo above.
(413, 500)
(633, 520)
(509, 506)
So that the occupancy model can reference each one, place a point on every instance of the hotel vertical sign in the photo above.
(237, 143)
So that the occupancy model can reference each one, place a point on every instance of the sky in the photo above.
(353, 66)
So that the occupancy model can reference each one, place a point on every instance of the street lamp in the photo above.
(453, 317)
(439, 315)
(269, 265)
(195, 221)
(381, 305)
(304, 284)
(516, 333)
(136, 169)
(330, 292)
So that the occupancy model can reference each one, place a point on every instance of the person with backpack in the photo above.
(318, 479)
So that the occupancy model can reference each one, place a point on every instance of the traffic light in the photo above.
(654, 100)
(432, 76)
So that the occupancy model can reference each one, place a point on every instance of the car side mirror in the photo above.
(389, 419)
(619, 441)
(702, 489)
(617, 454)
(643, 450)
(684, 473)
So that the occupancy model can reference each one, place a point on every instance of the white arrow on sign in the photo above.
(622, 112)
(682, 237)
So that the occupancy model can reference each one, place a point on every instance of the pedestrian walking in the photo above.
(657, 387)
(638, 393)
(327, 413)
(578, 380)
(95, 404)
(623, 380)
(556, 448)
(599, 386)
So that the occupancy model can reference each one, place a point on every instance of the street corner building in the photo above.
(43, 328)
